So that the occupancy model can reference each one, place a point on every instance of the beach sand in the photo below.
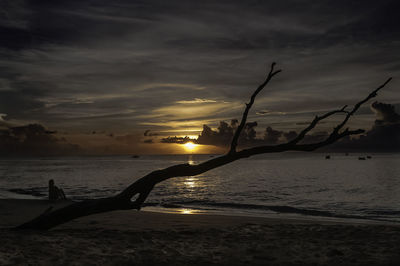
(149, 238)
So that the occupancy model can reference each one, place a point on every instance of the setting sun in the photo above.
(190, 146)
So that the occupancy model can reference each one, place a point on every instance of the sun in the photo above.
(190, 146)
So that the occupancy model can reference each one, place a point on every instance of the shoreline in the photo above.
(272, 216)
(22, 210)
(150, 238)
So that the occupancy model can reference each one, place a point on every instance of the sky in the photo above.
(111, 77)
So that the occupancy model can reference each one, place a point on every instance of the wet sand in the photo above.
(148, 238)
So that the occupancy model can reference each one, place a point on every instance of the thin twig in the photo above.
(271, 74)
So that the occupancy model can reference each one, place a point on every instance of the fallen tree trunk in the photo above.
(143, 186)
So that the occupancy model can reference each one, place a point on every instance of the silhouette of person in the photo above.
(55, 193)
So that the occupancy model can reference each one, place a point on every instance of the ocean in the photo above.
(294, 184)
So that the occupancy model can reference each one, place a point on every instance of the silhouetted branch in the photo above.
(143, 186)
(271, 74)
(313, 123)
(355, 108)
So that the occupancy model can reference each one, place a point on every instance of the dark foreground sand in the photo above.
(145, 238)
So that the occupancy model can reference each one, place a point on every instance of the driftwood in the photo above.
(142, 187)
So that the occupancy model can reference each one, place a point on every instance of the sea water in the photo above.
(304, 184)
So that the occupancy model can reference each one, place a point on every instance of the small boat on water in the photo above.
(369, 157)
(361, 158)
(327, 157)
(135, 156)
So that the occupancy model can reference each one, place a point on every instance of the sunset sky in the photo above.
(119, 76)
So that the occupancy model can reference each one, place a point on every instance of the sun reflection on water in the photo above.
(191, 182)
(190, 160)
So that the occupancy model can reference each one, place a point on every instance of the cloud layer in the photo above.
(383, 137)
(129, 66)
(34, 140)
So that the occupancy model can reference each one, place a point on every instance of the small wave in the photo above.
(384, 212)
(379, 215)
(274, 208)
(36, 191)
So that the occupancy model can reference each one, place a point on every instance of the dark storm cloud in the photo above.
(147, 133)
(386, 114)
(87, 65)
(33, 140)
(383, 138)
(272, 136)
(223, 135)
(177, 140)
(148, 141)
(384, 135)
(290, 135)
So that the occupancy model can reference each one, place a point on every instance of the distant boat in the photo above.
(369, 157)
(135, 156)
(347, 154)
(361, 158)
(327, 157)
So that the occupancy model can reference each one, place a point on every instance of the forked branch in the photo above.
(236, 136)
(143, 186)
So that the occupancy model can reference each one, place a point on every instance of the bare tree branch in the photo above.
(143, 186)
(357, 106)
(313, 123)
(271, 74)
